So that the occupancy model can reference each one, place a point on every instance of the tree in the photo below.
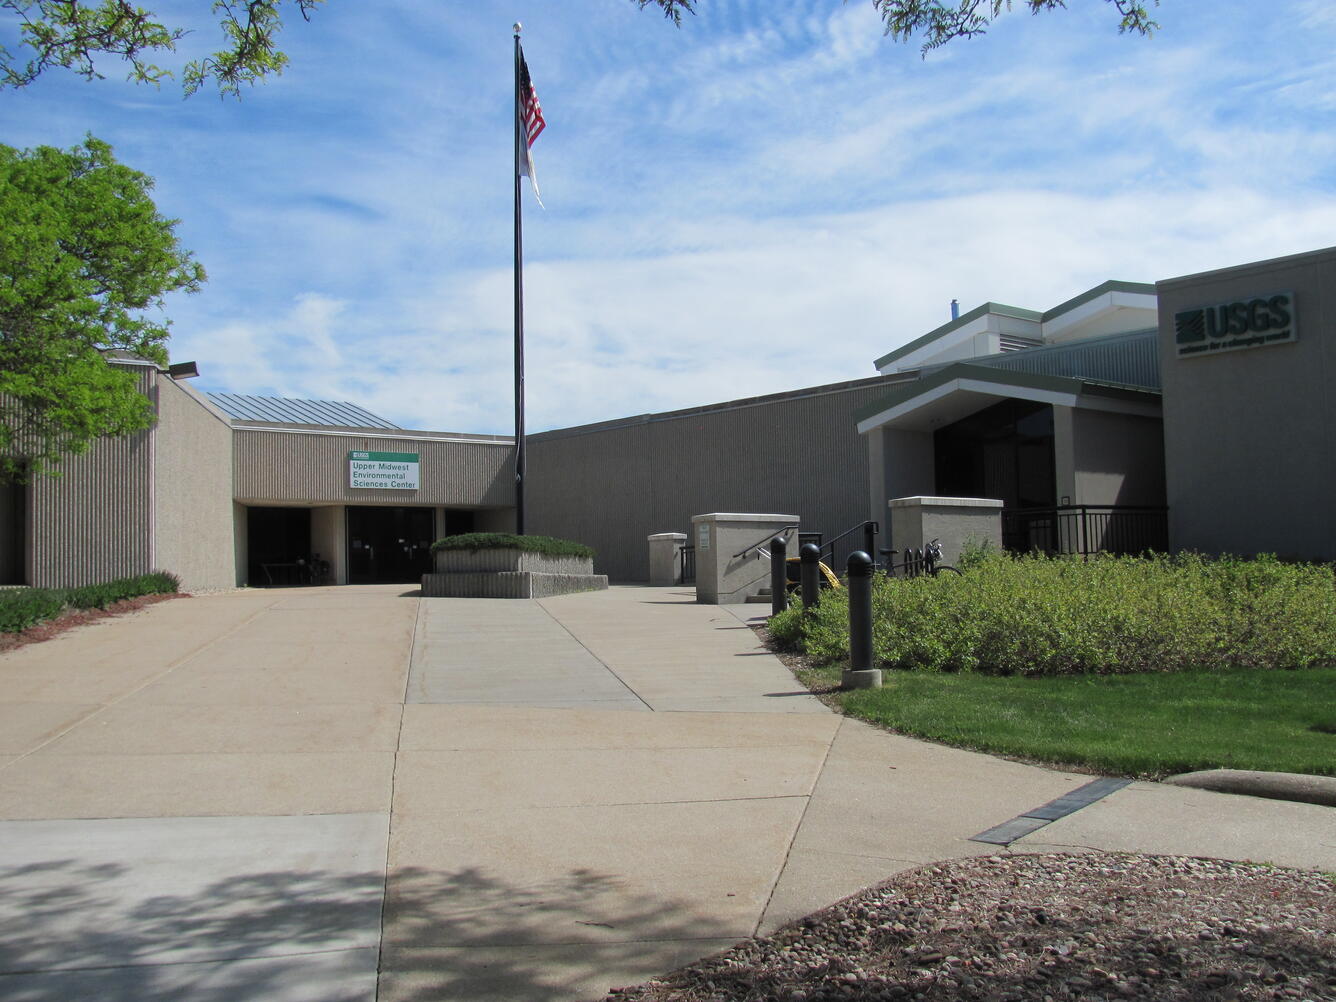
(72, 33)
(940, 22)
(84, 257)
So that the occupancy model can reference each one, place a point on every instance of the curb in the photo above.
(1304, 789)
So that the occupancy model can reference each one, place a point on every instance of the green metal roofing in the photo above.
(1131, 359)
(1001, 378)
(1113, 285)
(1001, 309)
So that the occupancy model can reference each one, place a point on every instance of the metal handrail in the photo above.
(849, 532)
(765, 539)
(828, 547)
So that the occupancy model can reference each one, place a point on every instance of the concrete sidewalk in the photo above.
(352, 793)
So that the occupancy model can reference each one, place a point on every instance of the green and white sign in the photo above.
(383, 470)
(1246, 323)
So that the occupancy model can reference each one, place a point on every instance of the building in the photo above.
(1206, 394)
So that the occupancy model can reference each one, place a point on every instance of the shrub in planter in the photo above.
(546, 545)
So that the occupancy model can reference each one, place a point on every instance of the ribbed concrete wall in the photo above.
(193, 489)
(272, 466)
(612, 485)
(94, 522)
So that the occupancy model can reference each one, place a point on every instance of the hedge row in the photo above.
(23, 607)
(546, 545)
(1034, 615)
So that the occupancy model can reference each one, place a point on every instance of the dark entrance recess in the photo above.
(1004, 452)
(13, 517)
(389, 545)
(278, 546)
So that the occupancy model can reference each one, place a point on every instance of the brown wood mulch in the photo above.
(72, 618)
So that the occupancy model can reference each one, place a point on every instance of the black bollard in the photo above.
(811, 574)
(860, 611)
(779, 577)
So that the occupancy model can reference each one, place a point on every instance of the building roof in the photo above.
(962, 388)
(290, 410)
(1015, 313)
(1131, 359)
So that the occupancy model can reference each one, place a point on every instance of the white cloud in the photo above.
(769, 197)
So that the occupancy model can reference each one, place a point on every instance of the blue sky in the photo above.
(769, 197)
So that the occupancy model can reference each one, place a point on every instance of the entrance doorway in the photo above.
(1004, 452)
(278, 546)
(389, 545)
(13, 517)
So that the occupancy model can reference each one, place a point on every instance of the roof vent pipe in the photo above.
(955, 309)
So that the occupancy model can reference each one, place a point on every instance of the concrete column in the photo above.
(1064, 456)
(917, 521)
(723, 577)
(665, 558)
(241, 542)
(329, 538)
(876, 475)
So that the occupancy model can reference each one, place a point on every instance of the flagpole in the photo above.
(519, 308)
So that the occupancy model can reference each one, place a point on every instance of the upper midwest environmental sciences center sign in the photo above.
(1248, 323)
(393, 470)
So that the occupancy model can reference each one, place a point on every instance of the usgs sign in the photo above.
(1246, 323)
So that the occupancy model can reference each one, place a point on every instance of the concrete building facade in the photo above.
(1207, 394)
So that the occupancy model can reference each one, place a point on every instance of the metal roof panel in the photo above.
(292, 410)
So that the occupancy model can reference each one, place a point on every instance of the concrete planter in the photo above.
(506, 560)
(507, 573)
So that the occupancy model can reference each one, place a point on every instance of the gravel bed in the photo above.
(1043, 927)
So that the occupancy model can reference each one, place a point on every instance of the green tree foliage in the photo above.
(84, 259)
(939, 22)
(74, 34)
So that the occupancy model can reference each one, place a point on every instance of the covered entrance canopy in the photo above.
(1028, 439)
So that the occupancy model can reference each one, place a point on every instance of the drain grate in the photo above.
(1032, 821)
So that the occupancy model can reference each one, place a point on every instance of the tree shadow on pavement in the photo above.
(70, 930)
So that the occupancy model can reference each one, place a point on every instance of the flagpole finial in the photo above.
(517, 26)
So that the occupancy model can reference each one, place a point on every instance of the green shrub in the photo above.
(545, 545)
(99, 596)
(21, 608)
(786, 629)
(1034, 615)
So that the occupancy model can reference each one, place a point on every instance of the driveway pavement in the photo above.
(353, 793)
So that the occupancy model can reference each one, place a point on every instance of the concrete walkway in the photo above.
(352, 793)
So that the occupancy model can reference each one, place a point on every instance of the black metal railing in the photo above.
(865, 541)
(1081, 529)
(688, 565)
(762, 545)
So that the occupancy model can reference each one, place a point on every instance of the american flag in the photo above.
(532, 124)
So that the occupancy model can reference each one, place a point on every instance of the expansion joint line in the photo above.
(788, 850)
(394, 780)
(610, 670)
(139, 688)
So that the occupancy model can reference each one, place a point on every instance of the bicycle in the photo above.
(925, 561)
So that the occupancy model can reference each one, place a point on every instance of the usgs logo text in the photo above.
(1246, 323)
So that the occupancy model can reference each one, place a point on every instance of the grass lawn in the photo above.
(1148, 725)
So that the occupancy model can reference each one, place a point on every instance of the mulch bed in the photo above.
(68, 620)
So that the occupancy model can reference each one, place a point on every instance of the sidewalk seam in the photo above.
(788, 850)
(394, 778)
(584, 646)
(103, 707)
